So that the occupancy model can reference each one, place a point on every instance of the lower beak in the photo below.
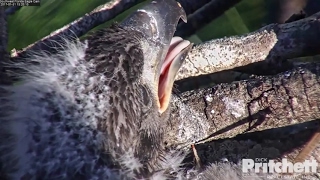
(176, 55)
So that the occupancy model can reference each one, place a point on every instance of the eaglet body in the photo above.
(81, 111)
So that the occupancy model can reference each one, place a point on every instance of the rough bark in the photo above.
(227, 110)
(272, 44)
(267, 117)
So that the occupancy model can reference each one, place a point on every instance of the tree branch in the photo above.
(272, 44)
(227, 110)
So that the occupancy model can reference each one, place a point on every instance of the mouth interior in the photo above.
(171, 64)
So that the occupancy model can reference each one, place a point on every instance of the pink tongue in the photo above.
(177, 44)
(176, 54)
(165, 86)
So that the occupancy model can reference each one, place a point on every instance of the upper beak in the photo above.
(157, 22)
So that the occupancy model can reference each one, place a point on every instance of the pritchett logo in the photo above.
(263, 165)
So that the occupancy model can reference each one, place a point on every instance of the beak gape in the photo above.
(175, 57)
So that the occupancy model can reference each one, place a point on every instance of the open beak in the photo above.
(157, 22)
(176, 55)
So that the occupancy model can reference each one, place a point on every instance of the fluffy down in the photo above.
(49, 126)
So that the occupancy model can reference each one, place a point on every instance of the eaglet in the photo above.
(96, 109)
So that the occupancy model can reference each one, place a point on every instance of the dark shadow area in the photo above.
(271, 144)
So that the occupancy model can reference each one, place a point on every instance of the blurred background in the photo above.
(30, 24)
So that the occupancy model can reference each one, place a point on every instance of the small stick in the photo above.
(197, 158)
(309, 147)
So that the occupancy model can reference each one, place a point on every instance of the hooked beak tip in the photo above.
(157, 21)
(183, 13)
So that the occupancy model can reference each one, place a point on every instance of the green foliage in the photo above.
(246, 16)
(30, 24)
